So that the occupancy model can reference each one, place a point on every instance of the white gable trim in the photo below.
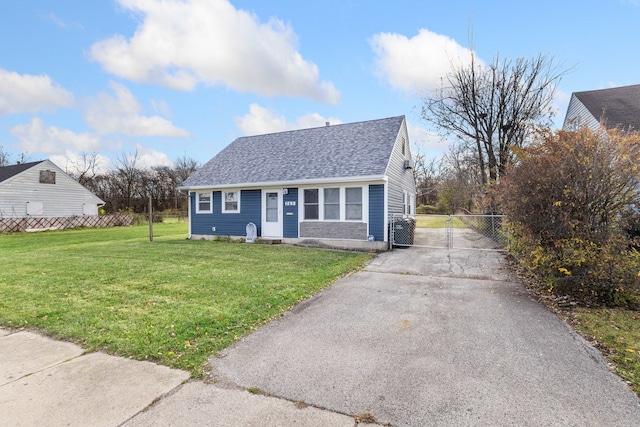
(306, 182)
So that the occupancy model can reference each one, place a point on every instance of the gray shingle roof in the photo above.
(7, 172)
(335, 151)
(621, 105)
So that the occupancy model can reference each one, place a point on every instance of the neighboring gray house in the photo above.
(334, 185)
(616, 107)
(43, 190)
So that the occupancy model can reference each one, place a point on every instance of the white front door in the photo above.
(272, 213)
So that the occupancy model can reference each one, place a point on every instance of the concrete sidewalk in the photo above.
(47, 382)
(44, 382)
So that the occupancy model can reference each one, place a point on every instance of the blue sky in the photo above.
(171, 78)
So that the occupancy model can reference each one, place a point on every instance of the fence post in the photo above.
(391, 232)
(449, 237)
(150, 219)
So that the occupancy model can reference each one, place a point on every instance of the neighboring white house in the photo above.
(617, 107)
(43, 190)
(335, 185)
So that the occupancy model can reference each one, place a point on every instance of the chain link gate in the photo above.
(475, 232)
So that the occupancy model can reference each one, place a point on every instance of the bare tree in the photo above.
(184, 167)
(494, 108)
(128, 177)
(84, 169)
(24, 157)
(428, 177)
(461, 181)
(4, 157)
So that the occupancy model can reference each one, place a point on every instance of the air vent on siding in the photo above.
(408, 164)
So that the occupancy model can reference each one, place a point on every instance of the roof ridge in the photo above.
(609, 89)
(321, 127)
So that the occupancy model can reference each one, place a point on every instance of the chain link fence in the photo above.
(478, 232)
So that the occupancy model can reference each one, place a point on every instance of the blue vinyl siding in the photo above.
(228, 224)
(290, 216)
(376, 211)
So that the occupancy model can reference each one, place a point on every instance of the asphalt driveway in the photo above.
(421, 337)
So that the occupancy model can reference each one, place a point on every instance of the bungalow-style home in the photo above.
(334, 185)
(618, 107)
(43, 190)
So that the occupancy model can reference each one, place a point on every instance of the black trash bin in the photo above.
(404, 232)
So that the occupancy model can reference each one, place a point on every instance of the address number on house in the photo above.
(290, 203)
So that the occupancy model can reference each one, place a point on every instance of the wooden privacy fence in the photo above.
(10, 225)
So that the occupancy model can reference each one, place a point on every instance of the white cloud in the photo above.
(428, 142)
(161, 107)
(52, 17)
(73, 161)
(121, 114)
(36, 137)
(262, 120)
(25, 93)
(415, 65)
(148, 158)
(181, 43)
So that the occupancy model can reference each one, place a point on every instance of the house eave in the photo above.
(284, 184)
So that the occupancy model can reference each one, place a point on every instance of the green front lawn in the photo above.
(173, 301)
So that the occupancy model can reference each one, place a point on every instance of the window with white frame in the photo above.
(404, 202)
(332, 204)
(203, 202)
(311, 210)
(230, 201)
(408, 201)
(412, 204)
(353, 204)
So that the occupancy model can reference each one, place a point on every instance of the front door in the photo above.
(272, 213)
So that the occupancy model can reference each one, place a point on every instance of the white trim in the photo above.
(363, 199)
(412, 203)
(263, 208)
(343, 200)
(189, 213)
(340, 203)
(301, 204)
(369, 179)
(224, 209)
(203, 211)
(386, 212)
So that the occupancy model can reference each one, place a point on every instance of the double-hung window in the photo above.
(311, 210)
(230, 201)
(203, 202)
(331, 203)
(353, 204)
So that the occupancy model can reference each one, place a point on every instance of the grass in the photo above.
(173, 301)
(617, 332)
